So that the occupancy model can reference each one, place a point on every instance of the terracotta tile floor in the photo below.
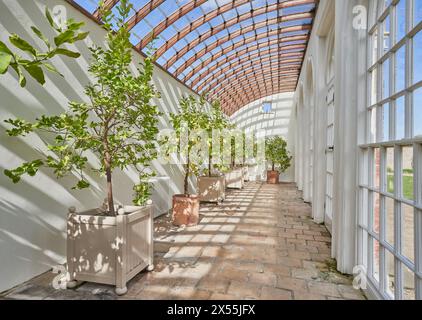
(259, 244)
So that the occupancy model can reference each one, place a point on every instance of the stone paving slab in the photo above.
(260, 243)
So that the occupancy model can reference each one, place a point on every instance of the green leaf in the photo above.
(41, 36)
(22, 44)
(36, 72)
(81, 36)
(82, 184)
(64, 37)
(67, 52)
(73, 26)
(5, 60)
(13, 177)
(51, 68)
(22, 79)
(5, 49)
(51, 20)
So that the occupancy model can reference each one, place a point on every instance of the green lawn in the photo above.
(407, 185)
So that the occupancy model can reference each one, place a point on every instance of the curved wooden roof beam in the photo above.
(213, 14)
(251, 62)
(252, 52)
(233, 35)
(108, 4)
(264, 88)
(251, 81)
(230, 71)
(230, 36)
(263, 61)
(247, 40)
(231, 106)
(251, 78)
(143, 12)
(242, 89)
(262, 85)
(294, 67)
(244, 63)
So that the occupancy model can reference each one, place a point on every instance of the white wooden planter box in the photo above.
(234, 179)
(109, 250)
(212, 189)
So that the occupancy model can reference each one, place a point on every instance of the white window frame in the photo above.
(366, 236)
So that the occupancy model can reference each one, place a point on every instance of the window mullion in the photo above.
(417, 165)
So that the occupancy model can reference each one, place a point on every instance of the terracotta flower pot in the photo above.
(185, 210)
(273, 177)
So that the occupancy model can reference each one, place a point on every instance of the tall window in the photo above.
(390, 219)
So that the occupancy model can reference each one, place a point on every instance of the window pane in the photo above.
(400, 77)
(408, 284)
(408, 232)
(390, 170)
(374, 86)
(407, 175)
(389, 270)
(417, 9)
(417, 57)
(386, 79)
(400, 118)
(373, 133)
(375, 259)
(385, 122)
(376, 170)
(376, 212)
(374, 46)
(389, 219)
(401, 19)
(386, 29)
(417, 112)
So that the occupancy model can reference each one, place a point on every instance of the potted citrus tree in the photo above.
(112, 243)
(191, 119)
(278, 156)
(211, 186)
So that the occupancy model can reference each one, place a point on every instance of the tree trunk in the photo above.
(209, 165)
(110, 199)
(186, 185)
(273, 166)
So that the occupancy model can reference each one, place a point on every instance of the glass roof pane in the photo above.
(245, 36)
(88, 5)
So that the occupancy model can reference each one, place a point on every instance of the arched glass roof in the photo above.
(236, 51)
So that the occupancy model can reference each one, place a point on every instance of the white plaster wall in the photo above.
(281, 122)
(33, 212)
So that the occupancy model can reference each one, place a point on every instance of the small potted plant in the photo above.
(191, 118)
(112, 243)
(211, 187)
(277, 154)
